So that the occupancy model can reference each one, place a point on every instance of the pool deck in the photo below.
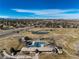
(33, 49)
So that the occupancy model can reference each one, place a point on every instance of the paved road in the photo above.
(12, 31)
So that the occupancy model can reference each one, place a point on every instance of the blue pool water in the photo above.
(37, 44)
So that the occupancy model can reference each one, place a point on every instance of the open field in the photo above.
(67, 38)
(64, 37)
(9, 42)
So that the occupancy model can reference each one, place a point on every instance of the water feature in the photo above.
(40, 32)
(37, 44)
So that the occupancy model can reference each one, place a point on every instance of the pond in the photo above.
(40, 32)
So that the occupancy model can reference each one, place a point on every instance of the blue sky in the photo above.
(41, 9)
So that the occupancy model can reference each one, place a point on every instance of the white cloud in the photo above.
(40, 12)
(52, 13)
(4, 17)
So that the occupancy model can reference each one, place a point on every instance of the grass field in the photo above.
(64, 37)
(67, 38)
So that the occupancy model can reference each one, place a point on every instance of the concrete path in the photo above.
(36, 56)
(16, 57)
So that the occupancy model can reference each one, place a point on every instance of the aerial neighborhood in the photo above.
(49, 23)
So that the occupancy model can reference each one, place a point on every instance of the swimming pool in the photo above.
(37, 44)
